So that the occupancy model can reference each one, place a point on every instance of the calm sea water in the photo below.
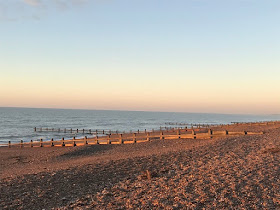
(18, 123)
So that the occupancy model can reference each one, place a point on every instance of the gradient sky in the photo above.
(219, 56)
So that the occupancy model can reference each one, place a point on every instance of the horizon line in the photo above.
(88, 109)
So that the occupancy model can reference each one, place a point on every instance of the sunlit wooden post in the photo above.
(62, 144)
(193, 134)
(21, 144)
(74, 142)
(41, 142)
(9, 144)
(161, 135)
(148, 137)
(85, 140)
(178, 134)
(108, 139)
(31, 143)
(134, 137)
(120, 139)
(96, 140)
(210, 133)
(226, 132)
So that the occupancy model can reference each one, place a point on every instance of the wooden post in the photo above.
(226, 132)
(120, 139)
(89, 131)
(145, 130)
(71, 130)
(74, 142)
(85, 140)
(103, 132)
(31, 143)
(148, 138)
(35, 129)
(83, 130)
(134, 138)
(210, 133)
(245, 132)
(96, 140)
(77, 130)
(161, 135)
(193, 134)
(138, 131)
(96, 131)
(178, 133)
(108, 139)
(9, 144)
(41, 142)
(21, 144)
(63, 143)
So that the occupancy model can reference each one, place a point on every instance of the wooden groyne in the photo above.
(144, 136)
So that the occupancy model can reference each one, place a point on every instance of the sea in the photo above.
(18, 123)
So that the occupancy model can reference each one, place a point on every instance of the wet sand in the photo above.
(232, 172)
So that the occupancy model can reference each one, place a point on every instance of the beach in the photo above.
(228, 172)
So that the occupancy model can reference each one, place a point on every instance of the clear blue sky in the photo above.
(193, 56)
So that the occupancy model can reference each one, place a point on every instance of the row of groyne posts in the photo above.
(196, 131)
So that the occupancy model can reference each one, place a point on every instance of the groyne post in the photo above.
(134, 137)
(41, 142)
(31, 143)
(85, 140)
(120, 139)
(108, 139)
(9, 144)
(21, 144)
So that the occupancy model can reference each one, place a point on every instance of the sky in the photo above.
(214, 56)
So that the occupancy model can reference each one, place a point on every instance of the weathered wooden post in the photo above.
(21, 144)
(210, 133)
(193, 134)
(77, 130)
(62, 144)
(138, 131)
(89, 131)
(96, 140)
(148, 137)
(41, 142)
(35, 129)
(161, 135)
(178, 134)
(103, 132)
(226, 132)
(120, 139)
(83, 130)
(85, 140)
(96, 131)
(145, 130)
(109, 139)
(71, 130)
(31, 143)
(245, 132)
(134, 138)
(74, 142)
(9, 144)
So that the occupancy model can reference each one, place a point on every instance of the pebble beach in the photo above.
(225, 173)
